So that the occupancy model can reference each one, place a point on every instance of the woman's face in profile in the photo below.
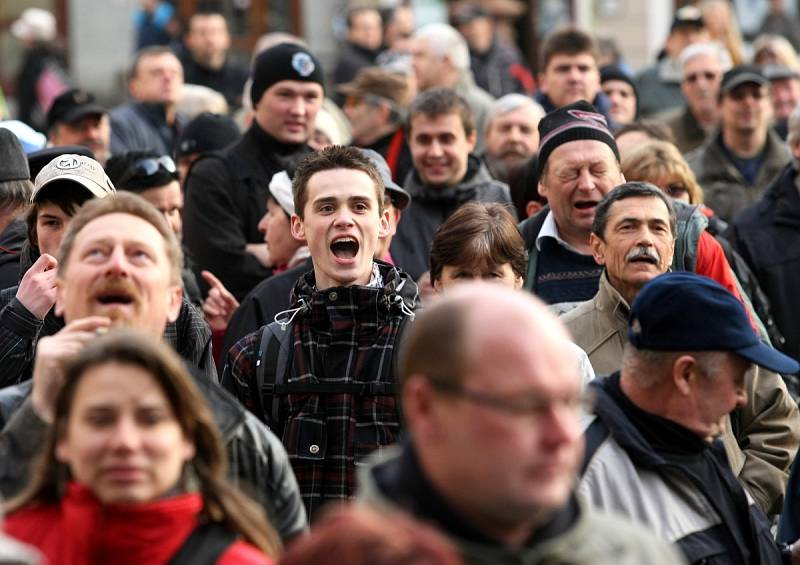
(454, 274)
(122, 439)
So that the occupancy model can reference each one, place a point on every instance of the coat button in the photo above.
(314, 448)
(333, 296)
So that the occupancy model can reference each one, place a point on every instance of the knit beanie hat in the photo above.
(285, 61)
(13, 162)
(573, 122)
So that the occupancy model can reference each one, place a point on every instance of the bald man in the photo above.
(492, 401)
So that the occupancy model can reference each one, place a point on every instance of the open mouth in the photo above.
(644, 259)
(586, 204)
(114, 297)
(344, 248)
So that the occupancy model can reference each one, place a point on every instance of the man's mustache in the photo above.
(643, 253)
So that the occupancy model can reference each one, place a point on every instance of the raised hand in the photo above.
(220, 304)
(37, 289)
(51, 354)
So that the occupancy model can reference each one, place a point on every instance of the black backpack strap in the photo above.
(275, 343)
(205, 545)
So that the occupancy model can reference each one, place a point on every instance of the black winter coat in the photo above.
(767, 236)
(226, 196)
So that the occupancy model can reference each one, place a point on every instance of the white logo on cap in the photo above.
(68, 162)
(303, 64)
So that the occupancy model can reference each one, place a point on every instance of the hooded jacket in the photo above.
(575, 534)
(339, 336)
(760, 439)
(430, 207)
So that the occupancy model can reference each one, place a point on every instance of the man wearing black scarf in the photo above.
(651, 450)
(226, 192)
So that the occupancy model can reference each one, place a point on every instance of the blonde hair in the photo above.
(656, 160)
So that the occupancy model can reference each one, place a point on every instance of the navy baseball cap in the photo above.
(689, 312)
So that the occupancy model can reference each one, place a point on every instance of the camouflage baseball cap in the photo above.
(76, 168)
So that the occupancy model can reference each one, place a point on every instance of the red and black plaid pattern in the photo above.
(346, 335)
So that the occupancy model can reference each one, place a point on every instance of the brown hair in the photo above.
(150, 51)
(479, 233)
(66, 194)
(359, 535)
(440, 102)
(333, 157)
(123, 203)
(223, 503)
(661, 160)
(567, 41)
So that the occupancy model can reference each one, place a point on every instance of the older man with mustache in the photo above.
(633, 238)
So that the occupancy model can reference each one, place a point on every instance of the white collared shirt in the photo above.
(550, 229)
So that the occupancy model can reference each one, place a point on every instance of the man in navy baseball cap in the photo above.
(687, 312)
(653, 451)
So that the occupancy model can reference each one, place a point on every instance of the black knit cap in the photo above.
(613, 72)
(13, 163)
(574, 122)
(206, 132)
(285, 61)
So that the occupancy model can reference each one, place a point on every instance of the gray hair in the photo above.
(709, 49)
(512, 102)
(632, 189)
(444, 41)
(648, 367)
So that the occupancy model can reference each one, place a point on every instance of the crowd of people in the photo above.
(416, 308)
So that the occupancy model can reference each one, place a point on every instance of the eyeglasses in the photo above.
(694, 77)
(147, 167)
(519, 406)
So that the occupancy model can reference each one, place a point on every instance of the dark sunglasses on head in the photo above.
(148, 167)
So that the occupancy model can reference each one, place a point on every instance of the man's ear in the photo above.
(542, 189)
(383, 228)
(298, 228)
(472, 139)
(598, 249)
(175, 300)
(419, 407)
(532, 207)
(683, 374)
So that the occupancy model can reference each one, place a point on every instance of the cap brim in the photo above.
(746, 78)
(402, 197)
(82, 111)
(95, 189)
(770, 358)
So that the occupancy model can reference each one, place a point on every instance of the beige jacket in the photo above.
(768, 431)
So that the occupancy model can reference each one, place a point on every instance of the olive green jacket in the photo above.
(594, 539)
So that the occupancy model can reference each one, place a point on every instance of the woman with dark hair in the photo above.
(480, 240)
(133, 468)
